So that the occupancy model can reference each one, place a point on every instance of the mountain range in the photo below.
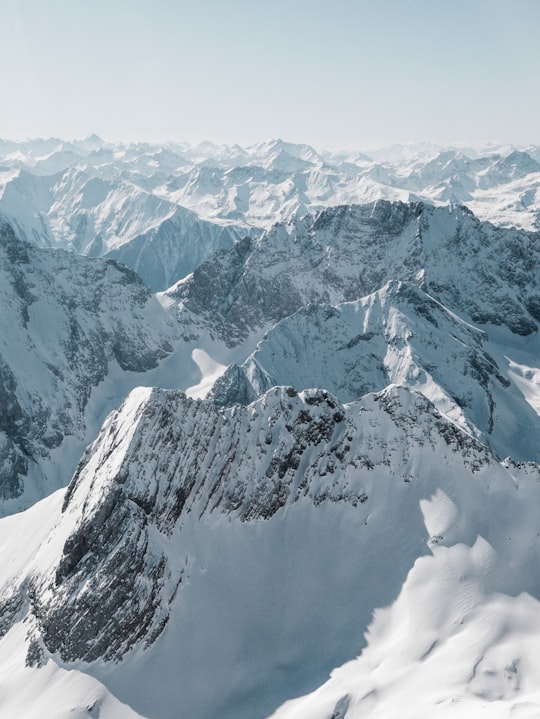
(309, 390)
(162, 210)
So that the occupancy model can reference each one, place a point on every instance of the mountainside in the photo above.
(485, 273)
(66, 323)
(460, 640)
(179, 504)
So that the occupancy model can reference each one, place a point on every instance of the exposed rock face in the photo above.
(399, 335)
(487, 274)
(64, 320)
(234, 387)
(164, 457)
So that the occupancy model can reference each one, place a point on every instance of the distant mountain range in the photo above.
(162, 210)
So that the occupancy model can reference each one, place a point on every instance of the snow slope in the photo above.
(460, 640)
(218, 557)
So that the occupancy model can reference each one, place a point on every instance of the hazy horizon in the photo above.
(347, 74)
(478, 147)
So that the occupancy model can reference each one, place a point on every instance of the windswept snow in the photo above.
(210, 371)
(51, 691)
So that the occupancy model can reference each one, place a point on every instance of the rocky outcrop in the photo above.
(163, 458)
(66, 321)
(488, 275)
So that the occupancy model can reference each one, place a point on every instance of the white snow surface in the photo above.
(210, 371)
(51, 691)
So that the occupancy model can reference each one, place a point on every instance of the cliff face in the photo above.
(65, 322)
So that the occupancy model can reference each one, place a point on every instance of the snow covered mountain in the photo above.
(362, 478)
(163, 209)
(488, 274)
(251, 544)
(67, 324)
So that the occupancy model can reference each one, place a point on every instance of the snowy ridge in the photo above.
(126, 552)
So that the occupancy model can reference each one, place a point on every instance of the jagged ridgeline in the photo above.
(422, 274)
(162, 210)
(252, 542)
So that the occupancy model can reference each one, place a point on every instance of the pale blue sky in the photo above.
(340, 73)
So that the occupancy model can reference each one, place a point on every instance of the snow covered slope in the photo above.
(223, 560)
(67, 323)
(469, 650)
